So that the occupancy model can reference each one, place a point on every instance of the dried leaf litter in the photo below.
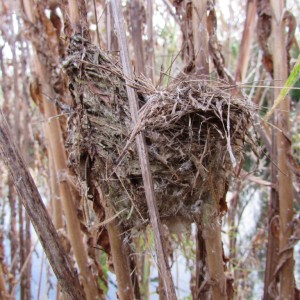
(195, 132)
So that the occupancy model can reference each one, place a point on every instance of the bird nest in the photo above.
(194, 129)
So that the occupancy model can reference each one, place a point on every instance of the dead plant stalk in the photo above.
(285, 187)
(143, 156)
(37, 212)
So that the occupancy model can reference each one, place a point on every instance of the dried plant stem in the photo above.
(57, 213)
(97, 25)
(273, 212)
(143, 156)
(200, 37)
(3, 291)
(285, 187)
(37, 212)
(13, 235)
(136, 32)
(112, 40)
(22, 254)
(120, 259)
(24, 268)
(57, 147)
(244, 53)
(199, 22)
(211, 231)
(150, 44)
(40, 277)
(78, 17)
(74, 15)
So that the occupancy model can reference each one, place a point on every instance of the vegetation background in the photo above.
(255, 45)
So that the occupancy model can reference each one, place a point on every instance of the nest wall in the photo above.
(194, 128)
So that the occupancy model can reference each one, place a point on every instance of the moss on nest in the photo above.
(195, 131)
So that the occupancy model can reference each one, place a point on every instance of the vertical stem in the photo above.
(150, 44)
(3, 289)
(136, 33)
(285, 188)
(273, 211)
(16, 110)
(118, 252)
(78, 17)
(210, 225)
(3, 292)
(112, 40)
(200, 36)
(97, 26)
(200, 265)
(55, 195)
(22, 253)
(244, 53)
(37, 212)
(73, 226)
(25, 146)
(214, 252)
(40, 277)
(13, 234)
(56, 145)
(143, 156)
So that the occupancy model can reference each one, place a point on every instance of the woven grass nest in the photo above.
(195, 132)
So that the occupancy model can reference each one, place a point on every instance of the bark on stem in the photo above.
(56, 147)
(3, 291)
(136, 32)
(150, 44)
(37, 212)
(200, 37)
(143, 156)
(285, 187)
(210, 225)
(244, 53)
(120, 261)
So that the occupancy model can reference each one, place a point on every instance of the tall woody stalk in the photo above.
(285, 187)
(244, 53)
(56, 147)
(143, 157)
(135, 9)
(211, 229)
(37, 212)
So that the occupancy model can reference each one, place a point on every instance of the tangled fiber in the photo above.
(194, 128)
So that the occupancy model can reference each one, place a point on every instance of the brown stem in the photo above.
(273, 212)
(3, 292)
(13, 235)
(112, 40)
(200, 37)
(143, 156)
(120, 260)
(211, 229)
(150, 44)
(56, 145)
(55, 195)
(285, 187)
(37, 212)
(3, 289)
(136, 33)
(200, 292)
(244, 53)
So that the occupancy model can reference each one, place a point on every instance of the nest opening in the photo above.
(194, 129)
